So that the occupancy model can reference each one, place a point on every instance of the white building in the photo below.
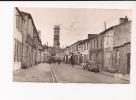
(18, 20)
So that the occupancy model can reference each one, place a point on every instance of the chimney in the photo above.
(123, 20)
(91, 35)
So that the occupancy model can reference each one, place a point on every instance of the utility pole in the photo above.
(103, 51)
(105, 25)
(47, 43)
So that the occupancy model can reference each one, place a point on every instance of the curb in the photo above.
(53, 75)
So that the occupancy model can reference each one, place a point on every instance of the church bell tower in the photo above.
(56, 36)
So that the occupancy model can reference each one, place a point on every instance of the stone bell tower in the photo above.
(56, 36)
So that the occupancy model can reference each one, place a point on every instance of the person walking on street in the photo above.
(72, 61)
(50, 61)
(58, 61)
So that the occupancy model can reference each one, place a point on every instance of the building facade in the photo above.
(84, 51)
(96, 50)
(18, 34)
(110, 49)
(122, 47)
(28, 40)
(28, 49)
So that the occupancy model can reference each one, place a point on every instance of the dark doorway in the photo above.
(128, 63)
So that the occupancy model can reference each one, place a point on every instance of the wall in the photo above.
(122, 44)
(108, 48)
(27, 45)
(24, 39)
(123, 51)
(17, 40)
(30, 28)
(99, 59)
(95, 50)
(122, 34)
(84, 50)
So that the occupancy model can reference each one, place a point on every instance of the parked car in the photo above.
(90, 66)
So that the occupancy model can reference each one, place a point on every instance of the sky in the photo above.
(75, 23)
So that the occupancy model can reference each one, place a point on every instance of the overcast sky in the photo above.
(75, 23)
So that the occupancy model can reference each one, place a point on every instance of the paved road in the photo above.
(63, 73)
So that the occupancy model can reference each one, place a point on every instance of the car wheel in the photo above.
(93, 70)
(89, 69)
(97, 70)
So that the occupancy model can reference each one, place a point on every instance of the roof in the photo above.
(90, 38)
(76, 42)
(19, 12)
(29, 15)
(110, 28)
(82, 41)
(91, 35)
(96, 35)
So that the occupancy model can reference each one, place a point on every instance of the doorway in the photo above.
(128, 63)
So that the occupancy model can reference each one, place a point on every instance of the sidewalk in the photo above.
(115, 75)
(37, 73)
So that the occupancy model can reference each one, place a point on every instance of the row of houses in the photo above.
(110, 49)
(28, 48)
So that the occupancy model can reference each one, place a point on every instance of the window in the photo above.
(101, 40)
(14, 50)
(77, 47)
(97, 42)
(20, 51)
(84, 46)
(90, 45)
(107, 40)
(87, 45)
(20, 24)
(17, 21)
(117, 57)
(17, 51)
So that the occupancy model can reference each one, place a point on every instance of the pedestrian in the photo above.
(58, 61)
(72, 63)
(50, 61)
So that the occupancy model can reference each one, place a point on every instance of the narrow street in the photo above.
(62, 73)
(109, 50)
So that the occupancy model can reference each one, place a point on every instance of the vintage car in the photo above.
(90, 66)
